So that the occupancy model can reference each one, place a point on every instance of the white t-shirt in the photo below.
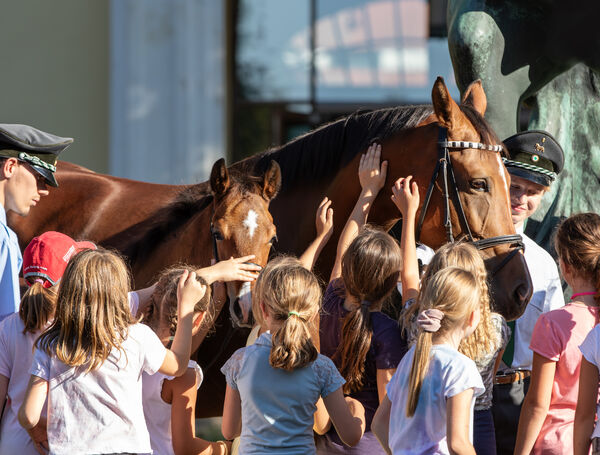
(590, 348)
(101, 411)
(158, 413)
(16, 354)
(547, 295)
(449, 374)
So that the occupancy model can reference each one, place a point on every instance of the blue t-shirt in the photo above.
(278, 406)
(10, 266)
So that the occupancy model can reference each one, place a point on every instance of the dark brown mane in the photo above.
(320, 153)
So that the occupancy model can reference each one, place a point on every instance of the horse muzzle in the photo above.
(240, 305)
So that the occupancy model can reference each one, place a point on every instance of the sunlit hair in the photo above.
(162, 308)
(486, 338)
(37, 307)
(370, 269)
(291, 294)
(92, 314)
(577, 243)
(455, 292)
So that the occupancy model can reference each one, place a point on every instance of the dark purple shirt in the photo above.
(387, 347)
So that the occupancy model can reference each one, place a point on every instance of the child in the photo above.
(429, 403)
(365, 344)
(486, 344)
(89, 361)
(546, 423)
(44, 262)
(273, 385)
(169, 403)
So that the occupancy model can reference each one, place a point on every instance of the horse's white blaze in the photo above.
(503, 171)
(250, 222)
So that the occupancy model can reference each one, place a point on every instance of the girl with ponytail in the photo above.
(429, 403)
(554, 420)
(274, 384)
(364, 343)
(44, 262)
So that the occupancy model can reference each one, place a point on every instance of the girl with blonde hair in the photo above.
(429, 403)
(274, 384)
(486, 344)
(365, 344)
(554, 419)
(90, 359)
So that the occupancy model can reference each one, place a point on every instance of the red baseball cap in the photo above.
(47, 255)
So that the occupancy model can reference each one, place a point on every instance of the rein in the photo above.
(444, 164)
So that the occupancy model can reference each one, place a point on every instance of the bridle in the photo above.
(444, 164)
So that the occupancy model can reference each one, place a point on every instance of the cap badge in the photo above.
(540, 148)
(535, 158)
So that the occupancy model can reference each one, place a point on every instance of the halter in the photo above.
(444, 164)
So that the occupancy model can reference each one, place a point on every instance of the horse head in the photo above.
(483, 186)
(242, 225)
(457, 142)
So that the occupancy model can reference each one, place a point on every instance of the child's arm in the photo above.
(31, 411)
(231, 425)
(189, 291)
(380, 426)
(405, 194)
(3, 393)
(322, 421)
(458, 421)
(383, 378)
(324, 223)
(372, 178)
(347, 416)
(183, 418)
(586, 407)
(536, 403)
(233, 269)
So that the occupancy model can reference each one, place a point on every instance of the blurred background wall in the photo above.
(157, 90)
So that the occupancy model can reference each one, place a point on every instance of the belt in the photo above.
(510, 377)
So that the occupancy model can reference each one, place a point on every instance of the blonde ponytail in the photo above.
(454, 292)
(291, 294)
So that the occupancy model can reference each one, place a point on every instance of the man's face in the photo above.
(24, 188)
(525, 198)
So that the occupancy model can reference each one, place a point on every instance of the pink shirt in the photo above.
(557, 336)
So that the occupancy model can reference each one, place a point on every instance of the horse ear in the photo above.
(219, 178)
(272, 181)
(474, 96)
(446, 110)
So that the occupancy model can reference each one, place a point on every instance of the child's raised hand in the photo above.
(233, 269)
(405, 194)
(324, 220)
(371, 173)
(189, 292)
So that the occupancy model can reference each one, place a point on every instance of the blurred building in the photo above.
(157, 90)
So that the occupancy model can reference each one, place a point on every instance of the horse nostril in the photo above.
(522, 294)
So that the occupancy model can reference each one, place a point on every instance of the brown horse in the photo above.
(159, 225)
(323, 162)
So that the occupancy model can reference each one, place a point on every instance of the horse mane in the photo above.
(320, 153)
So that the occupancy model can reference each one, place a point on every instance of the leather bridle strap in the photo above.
(444, 163)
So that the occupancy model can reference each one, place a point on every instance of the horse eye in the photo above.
(217, 235)
(273, 240)
(479, 185)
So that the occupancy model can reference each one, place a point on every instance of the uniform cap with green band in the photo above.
(30, 145)
(535, 156)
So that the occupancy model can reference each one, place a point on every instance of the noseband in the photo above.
(444, 164)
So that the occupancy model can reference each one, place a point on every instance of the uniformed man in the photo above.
(27, 165)
(536, 159)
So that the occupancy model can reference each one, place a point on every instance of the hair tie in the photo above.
(294, 313)
(430, 320)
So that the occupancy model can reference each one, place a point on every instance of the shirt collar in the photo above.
(264, 340)
(2, 214)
